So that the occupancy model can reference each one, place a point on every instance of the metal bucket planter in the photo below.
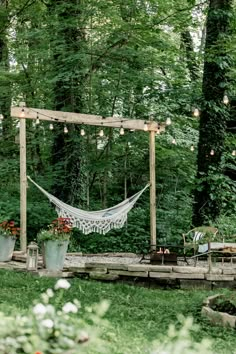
(55, 254)
(7, 244)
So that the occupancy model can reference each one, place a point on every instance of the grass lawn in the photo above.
(137, 315)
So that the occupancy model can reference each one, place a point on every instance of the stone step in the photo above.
(131, 274)
(175, 275)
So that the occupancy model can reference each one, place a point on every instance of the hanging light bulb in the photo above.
(37, 120)
(225, 99)
(122, 131)
(101, 133)
(168, 121)
(234, 152)
(145, 127)
(22, 114)
(158, 129)
(196, 112)
(82, 132)
(192, 148)
(174, 141)
(65, 129)
(212, 152)
(51, 126)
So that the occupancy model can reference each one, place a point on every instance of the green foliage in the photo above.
(133, 237)
(227, 226)
(179, 341)
(108, 58)
(49, 328)
(59, 229)
(137, 316)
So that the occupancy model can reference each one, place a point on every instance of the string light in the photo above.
(192, 148)
(145, 127)
(37, 119)
(22, 113)
(101, 133)
(82, 132)
(168, 121)
(51, 126)
(212, 152)
(174, 141)
(122, 131)
(225, 99)
(234, 152)
(196, 112)
(65, 129)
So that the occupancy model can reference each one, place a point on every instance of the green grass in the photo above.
(137, 315)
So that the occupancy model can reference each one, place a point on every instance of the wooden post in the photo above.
(23, 185)
(152, 167)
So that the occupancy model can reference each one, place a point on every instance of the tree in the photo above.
(214, 115)
(5, 85)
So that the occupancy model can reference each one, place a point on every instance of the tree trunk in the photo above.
(66, 152)
(212, 130)
(5, 87)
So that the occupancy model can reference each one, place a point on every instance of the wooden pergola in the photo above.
(23, 113)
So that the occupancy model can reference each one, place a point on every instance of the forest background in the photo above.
(137, 59)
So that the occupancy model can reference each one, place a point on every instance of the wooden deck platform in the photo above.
(141, 274)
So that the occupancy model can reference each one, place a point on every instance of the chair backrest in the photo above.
(197, 235)
(199, 232)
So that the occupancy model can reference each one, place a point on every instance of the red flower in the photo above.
(61, 225)
(9, 227)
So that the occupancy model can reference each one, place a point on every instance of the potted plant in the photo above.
(55, 241)
(8, 234)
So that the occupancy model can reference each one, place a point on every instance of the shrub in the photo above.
(181, 342)
(53, 329)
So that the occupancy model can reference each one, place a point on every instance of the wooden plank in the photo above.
(219, 277)
(131, 274)
(100, 276)
(108, 266)
(175, 275)
(87, 119)
(152, 167)
(23, 186)
(190, 270)
(148, 267)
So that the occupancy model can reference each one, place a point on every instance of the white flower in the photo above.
(39, 309)
(62, 284)
(47, 323)
(69, 307)
(50, 293)
(45, 298)
(84, 337)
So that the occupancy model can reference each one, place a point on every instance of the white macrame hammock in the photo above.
(100, 221)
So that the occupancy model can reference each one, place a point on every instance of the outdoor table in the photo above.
(225, 248)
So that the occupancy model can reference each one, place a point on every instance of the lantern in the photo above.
(32, 256)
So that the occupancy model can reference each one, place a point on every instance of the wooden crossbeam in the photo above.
(87, 119)
(152, 127)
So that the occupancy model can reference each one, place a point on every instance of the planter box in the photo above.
(166, 258)
(7, 244)
(216, 317)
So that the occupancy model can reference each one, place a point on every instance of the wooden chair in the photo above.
(192, 238)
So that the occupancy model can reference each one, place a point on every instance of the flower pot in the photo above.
(7, 244)
(55, 254)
